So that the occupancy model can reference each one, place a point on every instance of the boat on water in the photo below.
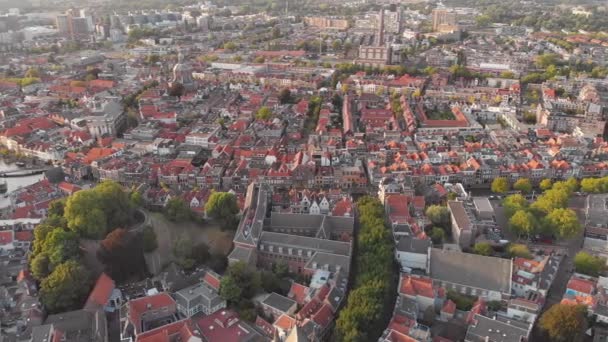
(3, 187)
(20, 164)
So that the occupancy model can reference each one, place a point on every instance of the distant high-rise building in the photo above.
(64, 24)
(444, 20)
(74, 27)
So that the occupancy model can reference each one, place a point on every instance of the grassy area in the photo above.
(167, 232)
(440, 113)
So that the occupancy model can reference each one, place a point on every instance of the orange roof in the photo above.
(285, 322)
(101, 292)
(449, 307)
(97, 153)
(212, 280)
(581, 285)
(417, 286)
(298, 293)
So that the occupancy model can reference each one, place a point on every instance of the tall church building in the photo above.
(379, 54)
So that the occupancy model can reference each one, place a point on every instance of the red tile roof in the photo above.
(24, 235)
(179, 331)
(101, 292)
(139, 306)
(212, 280)
(449, 307)
(417, 286)
(298, 293)
(224, 326)
(581, 285)
(6, 237)
(324, 315)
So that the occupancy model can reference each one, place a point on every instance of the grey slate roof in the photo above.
(412, 245)
(278, 302)
(198, 294)
(472, 270)
(295, 241)
(321, 259)
(241, 254)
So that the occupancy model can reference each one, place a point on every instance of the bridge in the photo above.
(22, 173)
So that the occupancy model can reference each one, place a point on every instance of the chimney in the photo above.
(381, 28)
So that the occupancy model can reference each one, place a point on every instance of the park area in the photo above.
(167, 232)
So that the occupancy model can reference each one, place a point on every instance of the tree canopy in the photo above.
(439, 215)
(564, 322)
(66, 287)
(513, 203)
(500, 185)
(367, 310)
(241, 276)
(523, 223)
(223, 206)
(93, 213)
(122, 255)
(545, 184)
(264, 113)
(483, 248)
(177, 210)
(519, 250)
(588, 264)
(524, 185)
(564, 222)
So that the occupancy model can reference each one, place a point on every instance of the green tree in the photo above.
(149, 239)
(564, 322)
(483, 248)
(247, 278)
(437, 235)
(513, 203)
(230, 46)
(563, 222)
(183, 250)
(92, 213)
(61, 245)
(264, 113)
(588, 264)
(57, 207)
(177, 210)
(84, 215)
(519, 250)
(223, 206)
(66, 287)
(545, 184)
(550, 200)
(500, 185)
(285, 96)
(439, 215)
(230, 290)
(136, 199)
(40, 266)
(32, 73)
(523, 223)
(176, 90)
(524, 185)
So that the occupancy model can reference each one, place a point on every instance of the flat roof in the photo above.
(482, 204)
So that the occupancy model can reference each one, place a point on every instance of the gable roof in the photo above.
(472, 270)
(101, 292)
